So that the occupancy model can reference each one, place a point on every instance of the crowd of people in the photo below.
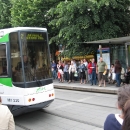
(90, 71)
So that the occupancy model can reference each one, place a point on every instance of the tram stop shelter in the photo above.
(119, 49)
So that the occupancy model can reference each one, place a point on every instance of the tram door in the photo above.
(128, 54)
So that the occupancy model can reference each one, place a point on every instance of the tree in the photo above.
(89, 20)
(5, 14)
(31, 12)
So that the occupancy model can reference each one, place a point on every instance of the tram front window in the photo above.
(3, 60)
(35, 56)
(17, 73)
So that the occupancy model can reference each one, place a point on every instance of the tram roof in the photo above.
(120, 40)
(8, 30)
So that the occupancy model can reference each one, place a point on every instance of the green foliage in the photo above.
(31, 13)
(89, 20)
(5, 14)
(70, 22)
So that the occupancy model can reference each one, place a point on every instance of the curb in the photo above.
(96, 90)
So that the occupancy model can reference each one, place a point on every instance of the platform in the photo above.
(110, 88)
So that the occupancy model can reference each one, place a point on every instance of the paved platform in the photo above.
(110, 88)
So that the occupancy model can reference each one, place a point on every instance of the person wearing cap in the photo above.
(6, 118)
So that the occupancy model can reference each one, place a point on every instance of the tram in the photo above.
(25, 72)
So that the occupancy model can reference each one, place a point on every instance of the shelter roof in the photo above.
(120, 40)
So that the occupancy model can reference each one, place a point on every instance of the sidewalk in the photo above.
(110, 88)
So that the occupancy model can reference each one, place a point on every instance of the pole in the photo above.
(100, 50)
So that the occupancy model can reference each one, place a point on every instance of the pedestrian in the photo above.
(54, 67)
(118, 69)
(92, 72)
(86, 70)
(120, 121)
(101, 69)
(60, 72)
(111, 75)
(6, 118)
(82, 69)
(66, 71)
(72, 69)
(127, 76)
(123, 76)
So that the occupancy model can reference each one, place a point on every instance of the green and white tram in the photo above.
(25, 72)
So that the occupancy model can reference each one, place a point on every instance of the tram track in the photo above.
(61, 116)
(88, 93)
(21, 126)
(71, 118)
(85, 103)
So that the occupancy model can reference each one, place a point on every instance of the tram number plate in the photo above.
(12, 100)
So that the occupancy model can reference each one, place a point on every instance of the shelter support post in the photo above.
(100, 49)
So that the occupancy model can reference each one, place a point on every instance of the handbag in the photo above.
(113, 76)
(75, 74)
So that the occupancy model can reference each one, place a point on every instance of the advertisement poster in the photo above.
(106, 58)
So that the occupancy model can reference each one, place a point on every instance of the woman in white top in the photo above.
(120, 121)
(6, 118)
(72, 69)
(111, 75)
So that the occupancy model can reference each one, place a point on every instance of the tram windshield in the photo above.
(35, 57)
(3, 60)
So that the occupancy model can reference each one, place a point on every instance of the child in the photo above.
(120, 121)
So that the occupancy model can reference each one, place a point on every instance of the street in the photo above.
(71, 110)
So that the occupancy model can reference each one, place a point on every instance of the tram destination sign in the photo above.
(33, 36)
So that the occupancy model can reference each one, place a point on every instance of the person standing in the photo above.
(82, 69)
(6, 118)
(72, 69)
(66, 71)
(54, 66)
(111, 74)
(101, 69)
(60, 72)
(118, 69)
(86, 70)
(127, 76)
(92, 71)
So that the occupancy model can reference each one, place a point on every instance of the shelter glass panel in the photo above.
(118, 52)
(128, 55)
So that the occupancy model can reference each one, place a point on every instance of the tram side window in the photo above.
(17, 75)
(3, 60)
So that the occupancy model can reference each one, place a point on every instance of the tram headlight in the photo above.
(33, 99)
(29, 100)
